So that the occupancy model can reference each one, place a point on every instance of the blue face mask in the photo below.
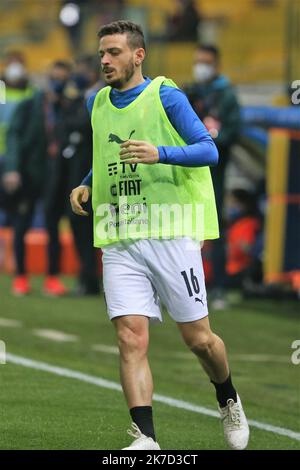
(81, 81)
(233, 213)
(57, 86)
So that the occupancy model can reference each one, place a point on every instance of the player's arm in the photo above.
(200, 149)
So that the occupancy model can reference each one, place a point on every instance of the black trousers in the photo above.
(56, 206)
(82, 228)
(21, 211)
(218, 254)
(22, 215)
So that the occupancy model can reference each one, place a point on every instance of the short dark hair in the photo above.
(62, 64)
(89, 61)
(211, 49)
(133, 31)
(247, 198)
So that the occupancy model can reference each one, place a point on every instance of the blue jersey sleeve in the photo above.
(200, 149)
(87, 180)
(90, 103)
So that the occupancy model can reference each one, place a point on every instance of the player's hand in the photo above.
(11, 181)
(78, 196)
(138, 151)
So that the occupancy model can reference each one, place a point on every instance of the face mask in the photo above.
(14, 72)
(233, 213)
(203, 72)
(57, 86)
(81, 81)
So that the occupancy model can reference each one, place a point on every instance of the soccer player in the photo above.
(151, 152)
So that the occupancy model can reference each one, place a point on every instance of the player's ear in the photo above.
(139, 56)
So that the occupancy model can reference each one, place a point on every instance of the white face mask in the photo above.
(203, 72)
(14, 72)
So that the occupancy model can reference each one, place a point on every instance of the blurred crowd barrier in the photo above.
(279, 128)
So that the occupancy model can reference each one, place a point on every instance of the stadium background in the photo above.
(259, 42)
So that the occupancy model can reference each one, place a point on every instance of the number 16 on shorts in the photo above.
(192, 285)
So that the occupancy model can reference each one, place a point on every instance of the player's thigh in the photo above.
(127, 287)
(178, 276)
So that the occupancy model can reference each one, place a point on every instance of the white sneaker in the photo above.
(141, 441)
(236, 429)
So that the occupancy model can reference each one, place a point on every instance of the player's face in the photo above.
(118, 60)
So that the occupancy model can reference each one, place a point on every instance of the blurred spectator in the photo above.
(184, 24)
(73, 163)
(214, 100)
(32, 149)
(87, 74)
(243, 228)
(14, 55)
(17, 88)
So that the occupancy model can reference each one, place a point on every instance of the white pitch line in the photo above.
(10, 323)
(54, 335)
(23, 361)
(244, 357)
(106, 349)
(260, 358)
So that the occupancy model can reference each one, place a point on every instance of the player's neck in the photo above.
(135, 80)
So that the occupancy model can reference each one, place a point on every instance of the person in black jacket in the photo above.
(72, 164)
(32, 147)
(214, 100)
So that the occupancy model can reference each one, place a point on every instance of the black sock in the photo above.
(225, 391)
(142, 417)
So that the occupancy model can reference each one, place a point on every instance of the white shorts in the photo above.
(141, 275)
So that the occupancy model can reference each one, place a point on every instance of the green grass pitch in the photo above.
(41, 410)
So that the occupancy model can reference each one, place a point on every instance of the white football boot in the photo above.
(141, 442)
(236, 429)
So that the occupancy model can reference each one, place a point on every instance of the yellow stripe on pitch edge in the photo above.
(277, 168)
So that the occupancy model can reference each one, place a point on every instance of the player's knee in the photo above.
(202, 346)
(132, 343)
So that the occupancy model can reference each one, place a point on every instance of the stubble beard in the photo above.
(120, 82)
